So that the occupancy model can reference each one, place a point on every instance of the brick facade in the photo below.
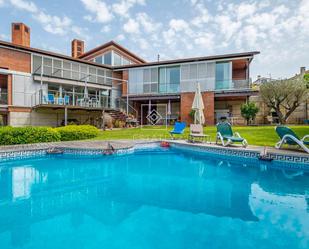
(15, 60)
(186, 100)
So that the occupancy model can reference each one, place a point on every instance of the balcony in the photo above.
(54, 99)
(232, 85)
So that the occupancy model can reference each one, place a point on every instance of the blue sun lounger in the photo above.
(178, 129)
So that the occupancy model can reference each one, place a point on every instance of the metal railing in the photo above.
(55, 98)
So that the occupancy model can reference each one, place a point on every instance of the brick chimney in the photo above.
(21, 34)
(77, 48)
(302, 70)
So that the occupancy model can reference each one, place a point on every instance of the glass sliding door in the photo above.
(223, 75)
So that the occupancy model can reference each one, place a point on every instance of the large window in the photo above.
(112, 58)
(70, 70)
(223, 75)
(192, 73)
(108, 58)
(143, 80)
(117, 60)
(169, 79)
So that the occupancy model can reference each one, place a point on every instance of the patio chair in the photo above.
(60, 101)
(226, 136)
(66, 100)
(196, 132)
(51, 99)
(178, 129)
(289, 137)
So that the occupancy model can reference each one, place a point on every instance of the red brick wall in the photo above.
(15, 60)
(186, 100)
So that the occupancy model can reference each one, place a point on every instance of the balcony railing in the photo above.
(232, 85)
(87, 101)
(3, 98)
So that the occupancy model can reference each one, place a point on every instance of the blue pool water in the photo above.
(152, 199)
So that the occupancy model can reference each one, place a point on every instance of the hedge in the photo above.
(77, 132)
(26, 135)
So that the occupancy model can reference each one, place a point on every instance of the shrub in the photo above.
(26, 135)
(249, 111)
(77, 132)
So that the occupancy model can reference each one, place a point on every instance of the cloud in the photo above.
(122, 8)
(131, 26)
(102, 12)
(148, 24)
(53, 24)
(25, 5)
(58, 25)
(4, 37)
(106, 29)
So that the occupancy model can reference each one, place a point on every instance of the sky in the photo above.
(279, 29)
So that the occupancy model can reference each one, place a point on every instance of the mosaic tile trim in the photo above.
(295, 159)
(289, 158)
(22, 154)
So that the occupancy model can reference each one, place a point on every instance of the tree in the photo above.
(284, 96)
(306, 79)
(249, 111)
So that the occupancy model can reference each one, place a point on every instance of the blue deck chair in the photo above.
(60, 101)
(66, 100)
(226, 136)
(178, 129)
(288, 136)
(51, 99)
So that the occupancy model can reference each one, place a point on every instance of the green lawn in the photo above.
(255, 135)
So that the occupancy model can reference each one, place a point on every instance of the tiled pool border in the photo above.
(247, 153)
(236, 152)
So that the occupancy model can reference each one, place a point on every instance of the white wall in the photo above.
(24, 89)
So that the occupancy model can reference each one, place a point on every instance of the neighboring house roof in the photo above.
(48, 53)
(261, 80)
(193, 59)
(297, 75)
(108, 44)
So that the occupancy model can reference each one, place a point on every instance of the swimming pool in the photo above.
(153, 198)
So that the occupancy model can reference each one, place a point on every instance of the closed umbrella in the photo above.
(198, 106)
(86, 96)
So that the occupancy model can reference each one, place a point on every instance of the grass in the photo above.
(255, 135)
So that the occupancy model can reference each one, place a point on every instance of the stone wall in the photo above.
(52, 118)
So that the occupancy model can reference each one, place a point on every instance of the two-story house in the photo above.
(39, 87)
